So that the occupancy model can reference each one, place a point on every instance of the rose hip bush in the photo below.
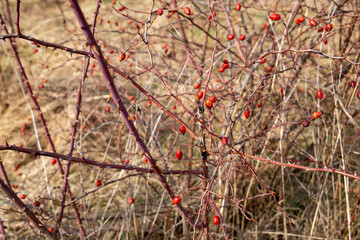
(179, 119)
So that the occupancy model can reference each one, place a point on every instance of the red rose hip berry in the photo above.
(187, 11)
(319, 94)
(209, 103)
(98, 183)
(182, 129)
(231, 36)
(352, 84)
(316, 115)
(275, 17)
(300, 20)
(312, 22)
(329, 27)
(176, 200)
(216, 220)
(179, 154)
(160, 12)
(247, 113)
(200, 95)
(224, 140)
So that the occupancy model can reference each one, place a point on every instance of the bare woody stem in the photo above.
(2, 230)
(23, 208)
(123, 111)
(95, 163)
(74, 128)
(42, 119)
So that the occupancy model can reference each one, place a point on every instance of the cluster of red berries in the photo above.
(225, 66)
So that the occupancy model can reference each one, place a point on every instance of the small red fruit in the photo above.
(320, 29)
(37, 203)
(319, 94)
(187, 11)
(122, 57)
(352, 84)
(212, 99)
(220, 70)
(16, 167)
(98, 183)
(312, 22)
(247, 113)
(51, 229)
(325, 41)
(131, 200)
(238, 7)
(41, 86)
(145, 160)
(149, 104)
(107, 109)
(231, 36)
(131, 97)
(216, 220)
(358, 95)
(259, 105)
(275, 17)
(35, 50)
(263, 60)
(160, 12)
(127, 161)
(306, 123)
(200, 95)
(242, 37)
(300, 20)
(316, 114)
(22, 129)
(182, 129)
(224, 140)
(53, 161)
(329, 27)
(197, 85)
(179, 154)
(22, 196)
(121, 8)
(269, 69)
(209, 103)
(176, 200)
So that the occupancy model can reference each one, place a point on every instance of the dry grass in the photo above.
(320, 205)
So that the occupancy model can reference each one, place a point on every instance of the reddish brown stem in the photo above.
(2, 230)
(24, 209)
(95, 163)
(42, 119)
(116, 96)
(4, 175)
